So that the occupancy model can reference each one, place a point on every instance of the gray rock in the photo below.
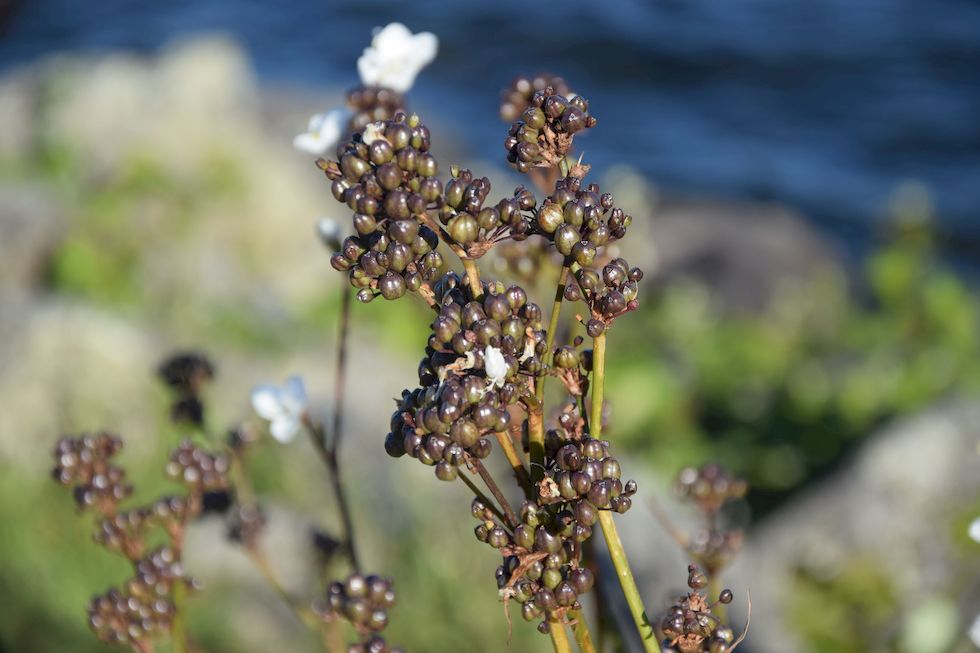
(32, 223)
(895, 504)
(745, 253)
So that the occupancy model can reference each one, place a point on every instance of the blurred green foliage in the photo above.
(781, 396)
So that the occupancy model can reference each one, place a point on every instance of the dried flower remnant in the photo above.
(690, 626)
(284, 407)
(388, 68)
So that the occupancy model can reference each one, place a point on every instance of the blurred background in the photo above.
(803, 181)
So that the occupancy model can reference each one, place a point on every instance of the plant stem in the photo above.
(625, 575)
(302, 612)
(473, 277)
(581, 632)
(507, 446)
(487, 501)
(598, 381)
(512, 520)
(615, 545)
(559, 638)
(535, 440)
(339, 388)
(553, 323)
(178, 633)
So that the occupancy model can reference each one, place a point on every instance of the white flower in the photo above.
(323, 132)
(396, 56)
(974, 631)
(974, 530)
(495, 366)
(282, 406)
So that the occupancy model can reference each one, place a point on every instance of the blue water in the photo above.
(826, 106)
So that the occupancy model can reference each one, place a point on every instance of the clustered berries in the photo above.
(517, 97)
(84, 463)
(144, 609)
(690, 627)
(608, 295)
(710, 487)
(370, 104)
(364, 602)
(388, 178)
(543, 134)
(197, 469)
(579, 221)
(472, 371)
(186, 375)
(144, 606)
(477, 228)
(542, 565)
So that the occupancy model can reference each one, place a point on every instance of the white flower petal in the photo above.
(284, 429)
(329, 232)
(974, 530)
(974, 631)
(373, 132)
(396, 56)
(495, 365)
(294, 396)
(324, 131)
(267, 402)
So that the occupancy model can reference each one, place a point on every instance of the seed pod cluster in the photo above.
(123, 532)
(84, 463)
(364, 602)
(710, 486)
(690, 627)
(608, 295)
(476, 227)
(583, 471)
(186, 374)
(370, 104)
(145, 608)
(542, 555)
(579, 221)
(517, 97)
(461, 400)
(542, 559)
(386, 175)
(197, 469)
(543, 134)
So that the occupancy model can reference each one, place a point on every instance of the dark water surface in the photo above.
(827, 106)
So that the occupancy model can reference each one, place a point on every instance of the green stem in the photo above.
(535, 440)
(598, 381)
(581, 632)
(615, 545)
(178, 631)
(559, 638)
(625, 575)
(473, 277)
(553, 323)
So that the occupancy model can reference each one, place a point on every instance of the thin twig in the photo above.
(679, 537)
(487, 501)
(748, 620)
(491, 484)
(510, 452)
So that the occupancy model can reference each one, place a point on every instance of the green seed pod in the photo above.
(549, 218)
(380, 152)
(353, 167)
(566, 237)
(407, 159)
(595, 328)
(530, 610)
(392, 285)
(365, 295)
(399, 135)
(584, 253)
(464, 228)
(446, 472)
(574, 214)
(488, 218)
(464, 433)
(550, 578)
(426, 166)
